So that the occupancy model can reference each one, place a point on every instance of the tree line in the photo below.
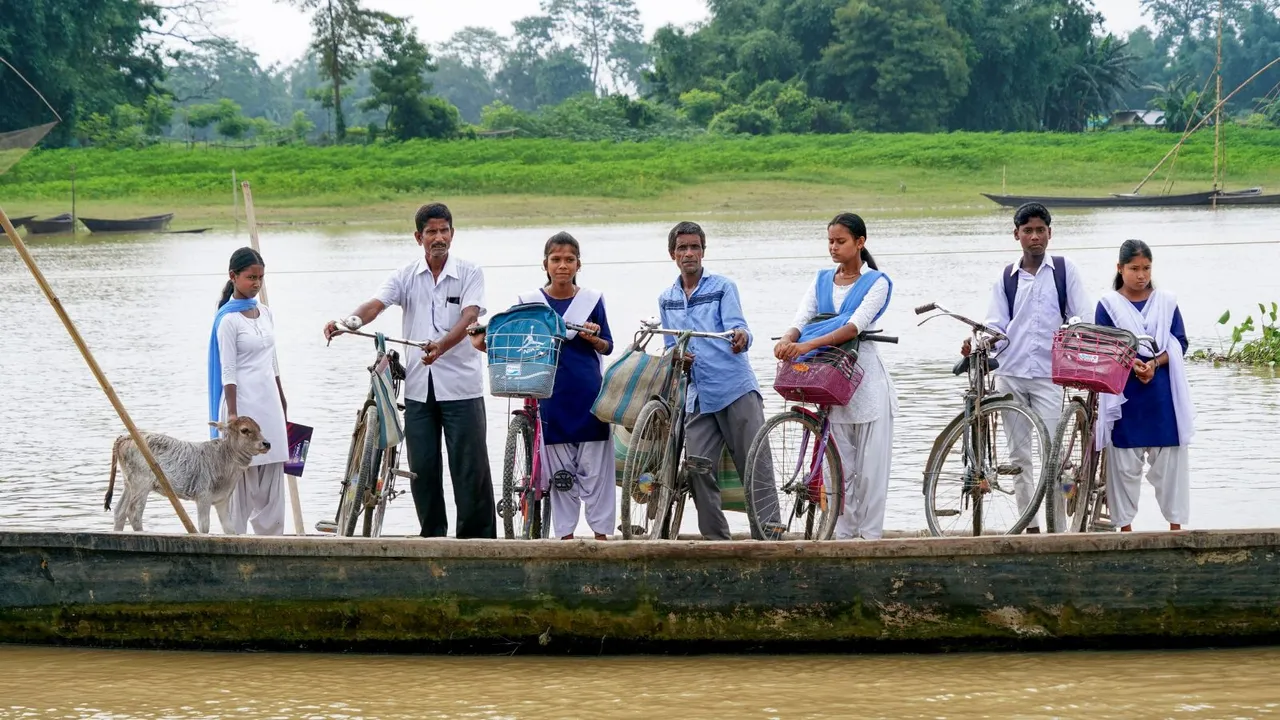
(584, 69)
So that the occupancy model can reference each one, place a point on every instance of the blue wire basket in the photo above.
(524, 351)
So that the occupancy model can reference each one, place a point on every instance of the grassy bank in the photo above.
(535, 178)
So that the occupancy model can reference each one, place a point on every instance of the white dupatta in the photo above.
(1156, 320)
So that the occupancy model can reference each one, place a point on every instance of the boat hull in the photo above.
(155, 222)
(1122, 201)
(60, 224)
(417, 595)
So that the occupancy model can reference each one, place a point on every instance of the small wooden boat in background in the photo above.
(20, 221)
(59, 224)
(142, 224)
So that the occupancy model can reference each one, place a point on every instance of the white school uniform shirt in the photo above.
(247, 351)
(876, 390)
(431, 309)
(1036, 317)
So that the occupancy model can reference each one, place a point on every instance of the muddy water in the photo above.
(119, 685)
(144, 305)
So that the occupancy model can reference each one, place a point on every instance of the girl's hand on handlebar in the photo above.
(967, 347)
(589, 330)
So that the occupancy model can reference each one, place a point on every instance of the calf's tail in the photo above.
(116, 449)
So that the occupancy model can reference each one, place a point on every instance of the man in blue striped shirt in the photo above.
(723, 402)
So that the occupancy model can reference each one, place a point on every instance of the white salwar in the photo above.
(863, 429)
(1169, 467)
(247, 348)
(591, 464)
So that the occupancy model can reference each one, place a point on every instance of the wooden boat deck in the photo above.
(416, 595)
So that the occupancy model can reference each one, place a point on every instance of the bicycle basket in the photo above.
(1093, 358)
(827, 376)
(524, 350)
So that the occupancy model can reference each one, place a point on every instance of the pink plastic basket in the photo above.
(1093, 358)
(829, 376)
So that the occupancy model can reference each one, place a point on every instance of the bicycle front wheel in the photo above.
(517, 475)
(386, 490)
(644, 470)
(793, 486)
(360, 484)
(971, 488)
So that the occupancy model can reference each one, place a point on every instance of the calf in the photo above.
(202, 471)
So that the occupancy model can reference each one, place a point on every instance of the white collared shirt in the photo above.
(1036, 317)
(431, 309)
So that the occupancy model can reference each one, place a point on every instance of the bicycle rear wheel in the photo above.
(787, 483)
(643, 471)
(517, 475)
(360, 485)
(1073, 465)
(968, 490)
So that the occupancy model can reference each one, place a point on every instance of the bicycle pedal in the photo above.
(1008, 470)
(404, 474)
(327, 526)
(946, 513)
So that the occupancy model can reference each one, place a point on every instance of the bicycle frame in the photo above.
(534, 490)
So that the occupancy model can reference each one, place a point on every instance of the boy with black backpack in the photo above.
(1033, 298)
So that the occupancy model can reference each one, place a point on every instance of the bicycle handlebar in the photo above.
(977, 326)
(477, 329)
(652, 327)
(407, 343)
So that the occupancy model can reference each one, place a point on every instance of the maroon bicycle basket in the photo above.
(828, 376)
(1093, 358)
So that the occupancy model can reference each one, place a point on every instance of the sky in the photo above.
(280, 33)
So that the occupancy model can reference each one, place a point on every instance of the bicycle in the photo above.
(654, 489)
(524, 492)
(980, 496)
(373, 461)
(1094, 359)
(827, 377)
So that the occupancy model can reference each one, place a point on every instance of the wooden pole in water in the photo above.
(235, 200)
(73, 199)
(252, 220)
(21, 247)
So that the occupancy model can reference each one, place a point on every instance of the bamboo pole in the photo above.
(252, 220)
(235, 201)
(1203, 120)
(21, 247)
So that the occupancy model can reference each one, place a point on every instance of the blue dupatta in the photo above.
(826, 302)
(215, 358)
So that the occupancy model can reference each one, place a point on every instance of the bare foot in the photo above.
(1127, 528)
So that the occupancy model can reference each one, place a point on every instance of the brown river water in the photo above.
(144, 306)
(50, 684)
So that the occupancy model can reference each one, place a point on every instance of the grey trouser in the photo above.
(705, 436)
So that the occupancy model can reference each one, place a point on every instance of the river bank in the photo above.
(518, 181)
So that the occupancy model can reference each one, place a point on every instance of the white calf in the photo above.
(206, 471)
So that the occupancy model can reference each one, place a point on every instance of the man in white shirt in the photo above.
(1032, 299)
(441, 296)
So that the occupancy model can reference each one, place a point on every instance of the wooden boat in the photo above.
(191, 231)
(142, 224)
(20, 221)
(1122, 201)
(59, 224)
(1196, 589)
(1230, 199)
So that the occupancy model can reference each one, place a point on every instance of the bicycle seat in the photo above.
(962, 367)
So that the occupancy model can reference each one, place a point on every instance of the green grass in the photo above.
(942, 169)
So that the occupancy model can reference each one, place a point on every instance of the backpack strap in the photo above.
(1059, 283)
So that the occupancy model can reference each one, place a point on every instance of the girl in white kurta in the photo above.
(248, 377)
(1152, 422)
(857, 294)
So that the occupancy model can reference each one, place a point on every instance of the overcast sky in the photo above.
(279, 33)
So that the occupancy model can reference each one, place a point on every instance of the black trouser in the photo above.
(463, 423)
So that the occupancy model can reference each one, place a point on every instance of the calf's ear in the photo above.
(220, 426)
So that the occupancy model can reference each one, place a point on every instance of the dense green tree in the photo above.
(399, 77)
(607, 36)
(86, 57)
(898, 62)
